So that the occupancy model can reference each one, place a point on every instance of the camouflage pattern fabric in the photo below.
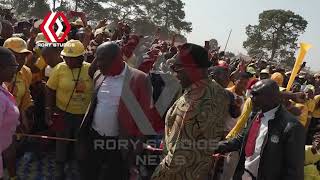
(194, 125)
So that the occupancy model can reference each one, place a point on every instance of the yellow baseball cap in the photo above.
(278, 78)
(73, 48)
(17, 45)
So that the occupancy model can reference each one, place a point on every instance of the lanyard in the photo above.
(75, 86)
(78, 77)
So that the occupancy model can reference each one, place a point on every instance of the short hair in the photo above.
(51, 48)
(6, 56)
(218, 70)
(198, 54)
(243, 75)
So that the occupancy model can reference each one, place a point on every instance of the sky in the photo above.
(215, 18)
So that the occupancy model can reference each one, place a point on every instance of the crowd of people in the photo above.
(211, 117)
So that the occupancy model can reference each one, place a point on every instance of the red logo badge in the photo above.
(47, 27)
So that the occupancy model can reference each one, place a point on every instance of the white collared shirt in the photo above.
(252, 162)
(105, 120)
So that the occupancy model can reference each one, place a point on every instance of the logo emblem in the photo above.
(47, 27)
(275, 139)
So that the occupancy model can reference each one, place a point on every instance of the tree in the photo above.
(93, 9)
(145, 16)
(29, 8)
(39, 9)
(275, 37)
(169, 15)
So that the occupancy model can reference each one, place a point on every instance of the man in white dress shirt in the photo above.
(272, 145)
(120, 114)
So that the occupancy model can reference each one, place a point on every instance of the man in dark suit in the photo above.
(119, 116)
(272, 145)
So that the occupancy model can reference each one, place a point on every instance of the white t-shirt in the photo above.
(105, 120)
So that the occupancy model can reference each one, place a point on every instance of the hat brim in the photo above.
(41, 41)
(22, 51)
(73, 55)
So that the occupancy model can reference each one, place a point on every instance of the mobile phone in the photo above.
(206, 45)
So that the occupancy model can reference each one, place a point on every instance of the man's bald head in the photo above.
(108, 50)
(108, 57)
(265, 94)
(267, 86)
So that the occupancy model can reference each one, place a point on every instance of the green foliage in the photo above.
(39, 9)
(275, 37)
(169, 14)
(145, 16)
(28, 8)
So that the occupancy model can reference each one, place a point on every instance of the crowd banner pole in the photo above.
(18, 135)
(304, 47)
(225, 47)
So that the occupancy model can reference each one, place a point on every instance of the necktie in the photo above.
(253, 133)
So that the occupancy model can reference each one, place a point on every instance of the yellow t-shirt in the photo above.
(63, 79)
(303, 118)
(316, 112)
(311, 104)
(19, 87)
(41, 63)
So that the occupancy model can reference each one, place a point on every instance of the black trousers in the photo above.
(98, 163)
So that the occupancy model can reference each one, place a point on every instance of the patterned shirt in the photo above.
(194, 124)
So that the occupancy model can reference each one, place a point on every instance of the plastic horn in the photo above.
(304, 47)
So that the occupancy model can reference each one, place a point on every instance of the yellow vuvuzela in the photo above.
(304, 47)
